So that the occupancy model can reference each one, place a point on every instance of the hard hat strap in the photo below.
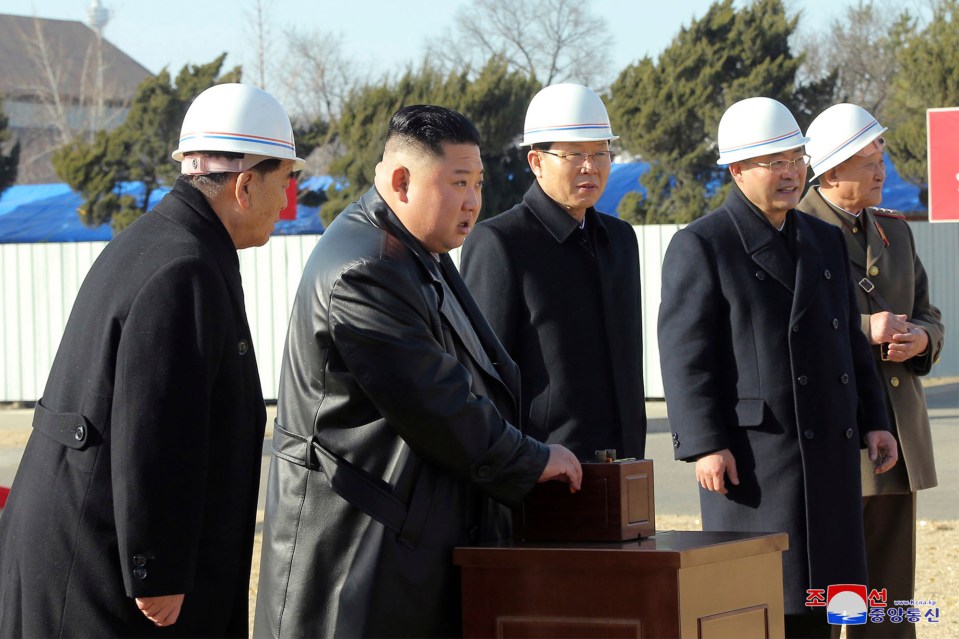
(200, 164)
(876, 145)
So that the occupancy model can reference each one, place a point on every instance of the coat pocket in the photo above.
(71, 430)
(750, 412)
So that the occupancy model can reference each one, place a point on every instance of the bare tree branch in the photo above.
(323, 77)
(262, 30)
(550, 40)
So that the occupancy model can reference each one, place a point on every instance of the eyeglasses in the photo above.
(781, 166)
(600, 157)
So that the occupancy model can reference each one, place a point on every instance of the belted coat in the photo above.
(763, 354)
(393, 441)
(142, 472)
(891, 264)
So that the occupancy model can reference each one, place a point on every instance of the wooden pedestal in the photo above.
(708, 585)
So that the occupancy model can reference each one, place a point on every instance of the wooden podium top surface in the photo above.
(668, 549)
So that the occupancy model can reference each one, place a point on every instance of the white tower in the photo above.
(98, 16)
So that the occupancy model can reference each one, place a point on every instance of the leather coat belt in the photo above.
(369, 494)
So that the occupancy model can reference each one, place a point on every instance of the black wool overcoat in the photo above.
(141, 475)
(566, 304)
(393, 442)
(764, 355)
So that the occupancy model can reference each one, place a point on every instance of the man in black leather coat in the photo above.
(396, 437)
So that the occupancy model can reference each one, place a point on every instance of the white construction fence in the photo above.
(40, 283)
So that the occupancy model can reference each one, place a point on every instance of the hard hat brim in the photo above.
(529, 139)
(847, 148)
(793, 140)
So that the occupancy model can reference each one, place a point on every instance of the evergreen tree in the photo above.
(928, 77)
(8, 159)
(136, 151)
(495, 102)
(667, 111)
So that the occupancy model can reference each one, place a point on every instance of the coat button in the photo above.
(827, 274)
(244, 346)
(894, 382)
(675, 440)
(844, 378)
(795, 328)
(139, 561)
(848, 433)
(803, 380)
(808, 434)
(760, 275)
(874, 270)
(835, 323)
(80, 433)
(140, 573)
(484, 472)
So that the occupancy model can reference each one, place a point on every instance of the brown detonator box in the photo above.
(615, 504)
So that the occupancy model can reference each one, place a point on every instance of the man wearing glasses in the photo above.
(769, 382)
(903, 327)
(559, 283)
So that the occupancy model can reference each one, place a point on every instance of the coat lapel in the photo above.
(760, 241)
(809, 265)
(456, 304)
(486, 347)
(197, 216)
(814, 204)
(874, 244)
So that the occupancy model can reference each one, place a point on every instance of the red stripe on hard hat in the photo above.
(567, 127)
(847, 142)
(237, 136)
(761, 142)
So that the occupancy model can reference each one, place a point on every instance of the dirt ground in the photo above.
(937, 573)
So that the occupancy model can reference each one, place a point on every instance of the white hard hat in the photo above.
(838, 133)
(236, 118)
(566, 112)
(757, 126)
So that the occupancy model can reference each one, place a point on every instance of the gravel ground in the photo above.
(937, 575)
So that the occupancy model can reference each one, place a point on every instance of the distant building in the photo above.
(61, 79)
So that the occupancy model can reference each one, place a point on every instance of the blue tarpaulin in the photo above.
(48, 212)
(897, 194)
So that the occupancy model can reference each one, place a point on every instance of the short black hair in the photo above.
(429, 127)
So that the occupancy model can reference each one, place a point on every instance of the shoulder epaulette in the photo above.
(888, 213)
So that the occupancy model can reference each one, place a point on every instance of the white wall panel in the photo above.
(938, 247)
(40, 283)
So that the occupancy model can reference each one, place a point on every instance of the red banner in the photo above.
(943, 135)
(289, 213)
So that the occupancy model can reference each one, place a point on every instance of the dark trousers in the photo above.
(890, 525)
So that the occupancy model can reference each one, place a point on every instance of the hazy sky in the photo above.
(381, 35)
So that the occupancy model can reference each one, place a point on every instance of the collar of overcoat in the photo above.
(187, 207)
(817, 205)
(551, 215)
(465, 319)
(762, 242)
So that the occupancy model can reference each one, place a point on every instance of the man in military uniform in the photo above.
(904, 329)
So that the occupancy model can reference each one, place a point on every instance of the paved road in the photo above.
(677, 492)
(675, 484)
